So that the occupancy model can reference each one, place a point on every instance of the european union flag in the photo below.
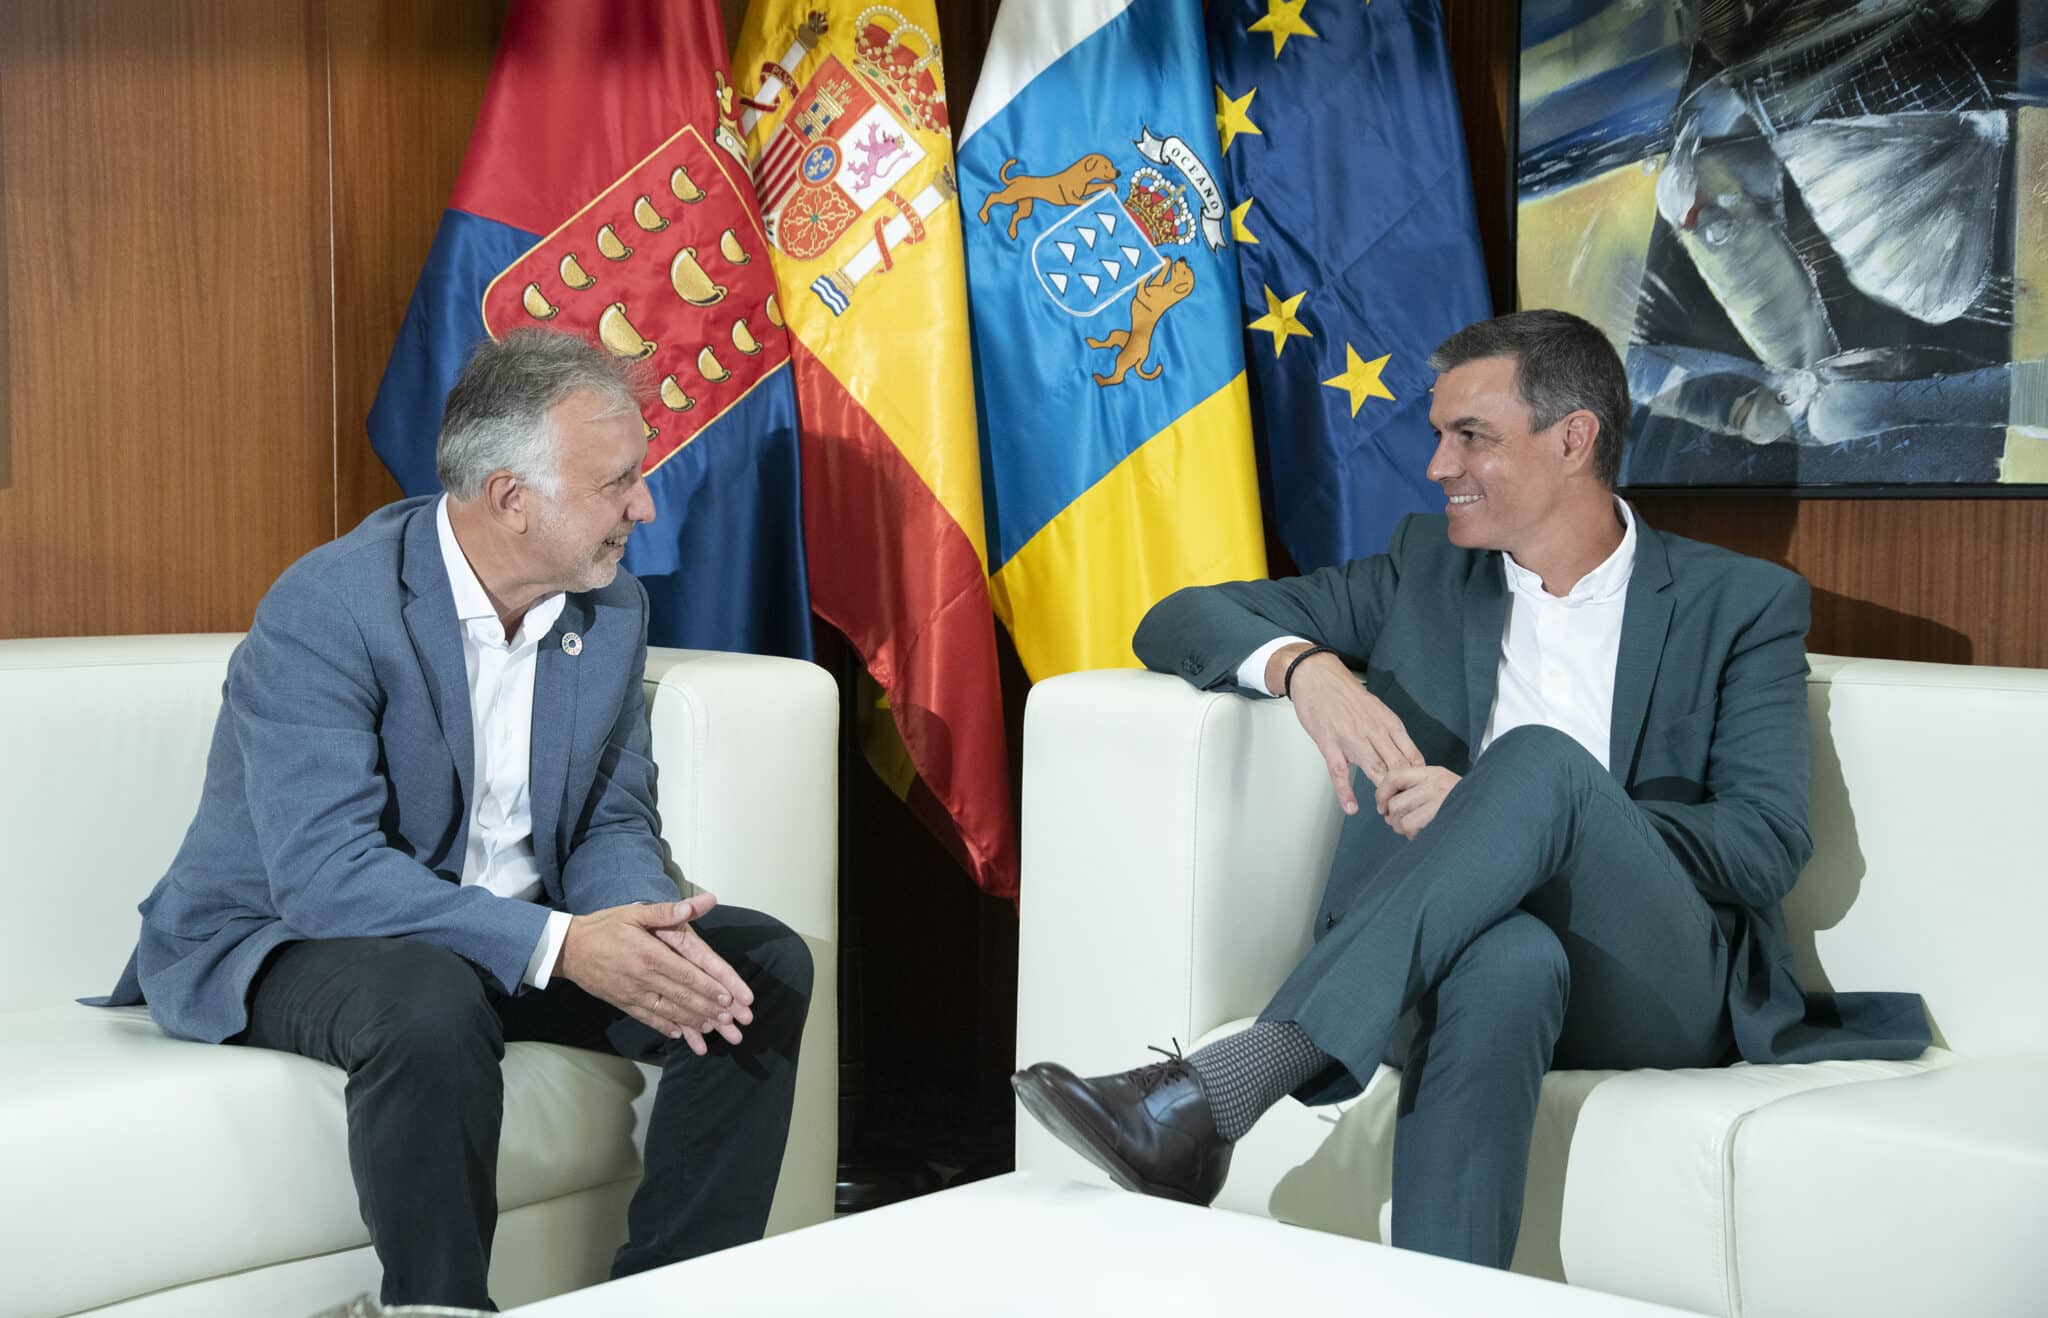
(1344, 156)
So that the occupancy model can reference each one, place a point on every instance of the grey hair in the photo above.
(1562, 365)
(497, 417)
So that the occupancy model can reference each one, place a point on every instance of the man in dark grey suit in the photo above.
(428, 828)
(1585, 743)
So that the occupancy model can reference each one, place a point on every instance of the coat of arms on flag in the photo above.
(1107, 247)
(619, 207)
(845, 144)
(1117, 449)
(654, 269)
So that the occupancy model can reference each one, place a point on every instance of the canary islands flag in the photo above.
(606, 193)
(1109, 354)
(1351, 202)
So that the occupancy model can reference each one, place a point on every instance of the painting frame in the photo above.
(1855, 395)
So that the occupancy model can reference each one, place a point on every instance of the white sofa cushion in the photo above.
(1934, 1187)
(1928, 835)
(1649, 1193)
(186, 1160)
(1632, 1182)
(106, 753)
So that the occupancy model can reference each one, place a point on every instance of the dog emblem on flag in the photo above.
(1107, 247)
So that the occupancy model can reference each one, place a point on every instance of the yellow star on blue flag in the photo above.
(1279, 320)
(1283, 20)
(1361, 379)
(1365, 200)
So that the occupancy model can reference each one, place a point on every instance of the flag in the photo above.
(1108, 348)
(844, 110)
(606, 192)
(1344, 157)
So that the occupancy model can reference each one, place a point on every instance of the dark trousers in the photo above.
(1537, 921)
(421, 1037)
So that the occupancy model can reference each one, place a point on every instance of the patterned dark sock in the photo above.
(1247, 1073)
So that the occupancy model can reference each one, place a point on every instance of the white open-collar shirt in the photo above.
(1557, 652)
(499, 856)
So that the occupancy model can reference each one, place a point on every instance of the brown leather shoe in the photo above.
(1150, 1129)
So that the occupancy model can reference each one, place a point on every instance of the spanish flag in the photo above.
(844, 110)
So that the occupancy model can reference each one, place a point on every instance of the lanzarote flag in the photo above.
(606, 192)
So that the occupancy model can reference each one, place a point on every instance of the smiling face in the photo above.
(1506, 482)
(581, 535)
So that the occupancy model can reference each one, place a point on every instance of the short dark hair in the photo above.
(1562, 365)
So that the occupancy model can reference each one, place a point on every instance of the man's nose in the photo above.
(641, 506)
(1441, 465)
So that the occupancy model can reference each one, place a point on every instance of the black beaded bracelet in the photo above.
(1287, 682)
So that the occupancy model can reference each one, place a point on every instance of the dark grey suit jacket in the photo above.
(336, 791)
(1709, 734)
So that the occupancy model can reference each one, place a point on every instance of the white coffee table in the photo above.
(1032, 1244)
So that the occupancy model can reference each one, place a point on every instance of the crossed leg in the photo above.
(1537, 920)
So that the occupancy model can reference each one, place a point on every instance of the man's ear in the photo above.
(509, 501)
(1580, 430)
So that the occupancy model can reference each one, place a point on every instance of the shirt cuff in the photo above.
(1251, 674)
(540, 967)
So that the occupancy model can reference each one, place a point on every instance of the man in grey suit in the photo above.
(428, 828)
(1584, 743)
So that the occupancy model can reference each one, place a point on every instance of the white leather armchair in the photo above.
(148, 1176)
(1174, 846)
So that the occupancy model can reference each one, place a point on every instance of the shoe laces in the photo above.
(1174, 1068)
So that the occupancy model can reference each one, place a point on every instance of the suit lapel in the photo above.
(437, 640)
(1486, 614)
(558, 690)
(1645, 622)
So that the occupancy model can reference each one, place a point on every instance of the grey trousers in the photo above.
(1537, 921)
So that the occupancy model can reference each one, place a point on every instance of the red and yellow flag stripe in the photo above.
(843, 106)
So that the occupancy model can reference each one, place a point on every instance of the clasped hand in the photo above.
(649, 962)
(1352, 726)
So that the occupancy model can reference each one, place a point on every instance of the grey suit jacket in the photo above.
(335, 802)
(1709, 732)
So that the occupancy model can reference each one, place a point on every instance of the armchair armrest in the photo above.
(747, 748)
(748, 752)
(1175, 843)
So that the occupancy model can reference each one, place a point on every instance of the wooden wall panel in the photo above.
(1477, 32)
(168, 359)
(1950, 580)
(6, 378)
(407, 80)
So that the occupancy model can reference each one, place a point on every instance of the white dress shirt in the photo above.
(1557, 653)
(500, 852)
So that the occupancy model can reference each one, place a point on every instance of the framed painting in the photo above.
(1816, 230)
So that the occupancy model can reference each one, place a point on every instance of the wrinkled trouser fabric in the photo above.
(420, 1036)
(1537, 921)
